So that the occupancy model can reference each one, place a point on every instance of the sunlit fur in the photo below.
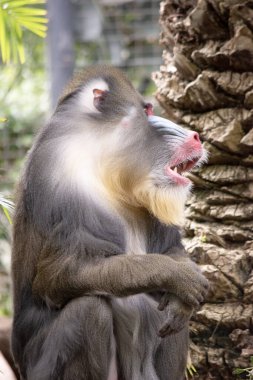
(104, 177)
(165, 203)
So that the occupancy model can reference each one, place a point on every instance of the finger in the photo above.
(191, 300)
(204, 282)
(161, 305)
(199, 294)
(163, 334)
(165, 331)
(200, 297)
(166, 325)
(163, 302)
(172, 327)
(180, 323)
(203, 290)
(197, 308)
(173, 324)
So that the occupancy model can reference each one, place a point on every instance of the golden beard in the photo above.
(165, 203)
(130, 192)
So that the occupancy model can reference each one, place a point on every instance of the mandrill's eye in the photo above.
(148, 108)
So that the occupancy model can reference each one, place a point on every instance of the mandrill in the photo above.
(103, 288)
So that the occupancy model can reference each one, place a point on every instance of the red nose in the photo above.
(194, 140)
(195, 136)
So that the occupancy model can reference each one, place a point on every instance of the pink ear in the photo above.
(99, 96)
(98, 93)
(149, 109)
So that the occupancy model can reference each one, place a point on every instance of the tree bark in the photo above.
(206, 83)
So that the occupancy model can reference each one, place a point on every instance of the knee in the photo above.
(94, 311)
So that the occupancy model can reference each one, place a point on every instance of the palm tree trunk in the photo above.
(61, 55)
(206, 83)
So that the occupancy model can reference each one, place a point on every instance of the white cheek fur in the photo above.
(77, 160)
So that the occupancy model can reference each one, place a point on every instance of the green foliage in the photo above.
(203, 238)
(15, 17)
(5, 304)
(246, 371)
(24, 102)
(190, 371)
(6, 206)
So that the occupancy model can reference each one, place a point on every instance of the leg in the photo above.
(80, 366)
(171, 356)
(137, 321)
(143, 355)
(77, 345)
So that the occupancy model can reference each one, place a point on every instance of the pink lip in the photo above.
(176, 178)
(182, 167)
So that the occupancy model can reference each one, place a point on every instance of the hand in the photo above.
(178, 314)
(189, 284)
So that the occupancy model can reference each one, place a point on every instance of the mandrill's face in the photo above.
(129, 154)
(146, 158)
(175, 151)
(184, 150)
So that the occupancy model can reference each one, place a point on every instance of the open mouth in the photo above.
(177, 170)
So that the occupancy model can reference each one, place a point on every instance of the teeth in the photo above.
(175, 170)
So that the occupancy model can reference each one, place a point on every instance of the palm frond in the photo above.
(15, 17)
(7, 207)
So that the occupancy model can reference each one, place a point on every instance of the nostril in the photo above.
(196, 136)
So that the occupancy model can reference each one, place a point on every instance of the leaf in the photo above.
(3, 39)
(6, 206)
(13, 41)
(38, 32)
(21, 51)
(7, 41)
(191, 369)
(6, 212)
(31, 11)
(18, 31)
(14, 17)
(6, 203)
(39, 20)
(19, 45)
(238, 371)
(33, 25)
(3, 119)
(19, 3)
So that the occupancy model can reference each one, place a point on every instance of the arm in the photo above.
(179, 254)
(67, 273)
(178, 312)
